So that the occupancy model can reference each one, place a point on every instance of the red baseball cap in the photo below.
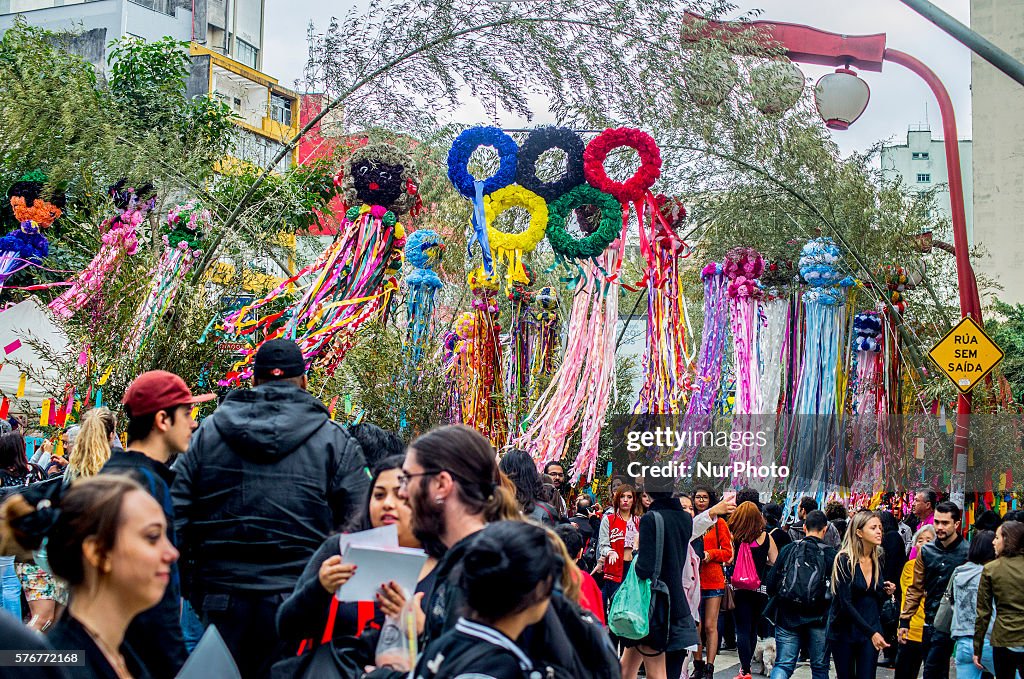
(159, 390)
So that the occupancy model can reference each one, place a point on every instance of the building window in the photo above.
(920, 155)
(923, 177)
(280, 109)
(245, 53)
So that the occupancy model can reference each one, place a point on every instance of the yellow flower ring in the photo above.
(512, 246)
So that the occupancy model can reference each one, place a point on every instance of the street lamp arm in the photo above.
(802, 43)
(973, 40)
(964, 272)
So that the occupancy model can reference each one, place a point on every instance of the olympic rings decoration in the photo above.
(512, 196)
(592, 245)
(469, 141)
(543, 139)
(634, 188)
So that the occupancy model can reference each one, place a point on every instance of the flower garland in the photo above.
(470, 140)
(512, 246)
(475, 189)
(635, 188)
(543, 139)
(380, 174)
(592, 245)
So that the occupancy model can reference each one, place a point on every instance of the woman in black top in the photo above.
(304, 615)
(748, 528)
(508, 573)
(894, 556)
(859, 589)
(109, 542)
(678, 530)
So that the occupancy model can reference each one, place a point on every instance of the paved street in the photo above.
(727, 666)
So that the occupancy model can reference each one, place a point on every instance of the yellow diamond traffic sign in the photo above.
(966, 354)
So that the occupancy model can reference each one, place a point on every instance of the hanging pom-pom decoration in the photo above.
(480, 378)
(352, 281)
(187, 225)
(546, 340)
(423, 251)
(120, 240)
(26, 245)
(707, 379)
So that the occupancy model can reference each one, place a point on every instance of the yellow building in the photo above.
(268, 113)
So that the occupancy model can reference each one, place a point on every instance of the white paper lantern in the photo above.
(841, 98)
(776, 86)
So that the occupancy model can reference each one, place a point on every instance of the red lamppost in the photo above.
(868, 52)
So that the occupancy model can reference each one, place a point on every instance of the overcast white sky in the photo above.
(898, 97)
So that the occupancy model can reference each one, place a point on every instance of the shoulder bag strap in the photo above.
(659, 540)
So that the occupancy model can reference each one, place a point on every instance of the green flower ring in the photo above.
(592, 245)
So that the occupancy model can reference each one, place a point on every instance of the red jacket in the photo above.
(718, 549)
(590, 596)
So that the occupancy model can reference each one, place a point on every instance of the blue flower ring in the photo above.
(472, 139)
(544, 139)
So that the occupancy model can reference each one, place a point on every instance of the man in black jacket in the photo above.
(932, 569)
(801, 624)
(268, 476)
(159, 409)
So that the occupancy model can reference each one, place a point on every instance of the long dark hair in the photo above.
(520, 468)
(12, 454)
(362, 520)
(433, 547)
(1013, 538)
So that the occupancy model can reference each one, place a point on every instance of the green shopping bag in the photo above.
(631, 605)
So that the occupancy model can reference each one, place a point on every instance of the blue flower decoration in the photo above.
(818, 260)
(32, 247)
(462, 149)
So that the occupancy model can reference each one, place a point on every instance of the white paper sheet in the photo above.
(385, 536)
(377, 565)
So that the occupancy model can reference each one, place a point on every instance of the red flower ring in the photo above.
(634, 188)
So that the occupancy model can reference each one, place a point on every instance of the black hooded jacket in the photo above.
(266, 478)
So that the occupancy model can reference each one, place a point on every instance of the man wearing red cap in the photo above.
(266, 479)
(160, 424)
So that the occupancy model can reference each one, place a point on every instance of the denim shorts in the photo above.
(711, 593)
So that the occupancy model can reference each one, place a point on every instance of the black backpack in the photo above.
(805, 574)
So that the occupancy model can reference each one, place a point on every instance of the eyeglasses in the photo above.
(403, 478)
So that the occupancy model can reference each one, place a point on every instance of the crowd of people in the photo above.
(127, 554)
